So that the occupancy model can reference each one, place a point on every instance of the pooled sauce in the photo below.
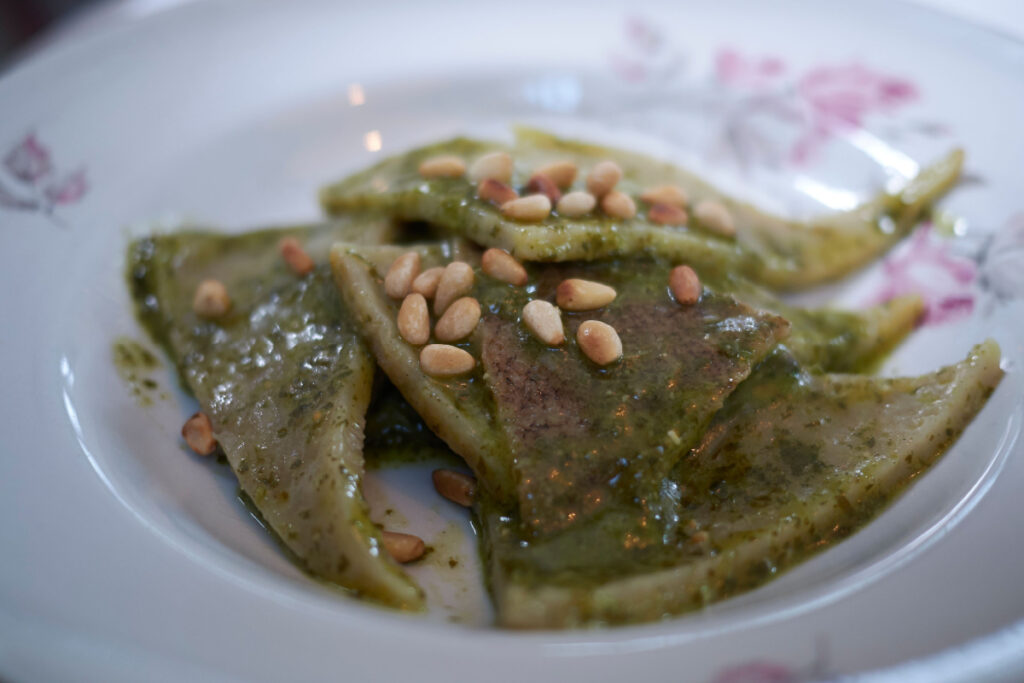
(138, 367)
(396, 435)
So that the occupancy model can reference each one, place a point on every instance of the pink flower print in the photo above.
(68, 190)
(839, 97)
(732, 68)
(30, 182)
(842, 95)
(925, 267)
(757, 672)
(644, 58)
(643, 36)
(28, 161)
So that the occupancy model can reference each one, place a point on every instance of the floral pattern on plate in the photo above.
(755, 96)
(33, 183)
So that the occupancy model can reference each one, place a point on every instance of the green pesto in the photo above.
(773, 251)
(396, 435)
(792, 464)
(135, 365)
(829, 340)
(617, 429)
(585, 434)
(286, 381)
(628, 536)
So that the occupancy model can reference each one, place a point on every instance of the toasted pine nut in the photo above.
(603, 178)
(685, 285)
(456, 280)
(618, 205)
(544, 320)
(561, 173)
(575, 204)
(666, 214)
(599, 341)
(400, 275)
(295, 256)
(459, 321)
(583, 295)
(457, 487)
(442, 360)
(530, 209)
(491, 190)
(669, 195)
(426, 282)
(496, 165)
(414, 319)
(501, 265)
(403, 547)
(198, 434)
(211, 299)
(444, 166)
(714, 216)
(545, 186)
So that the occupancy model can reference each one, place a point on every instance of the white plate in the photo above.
(122, 557)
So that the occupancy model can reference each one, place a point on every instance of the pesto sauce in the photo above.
(590, 434)
(792, 464)
(701, 510)
(136, 366)
(396, 435)
(780, 253)
(285, 380)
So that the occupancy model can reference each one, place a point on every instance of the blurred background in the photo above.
(21, 20)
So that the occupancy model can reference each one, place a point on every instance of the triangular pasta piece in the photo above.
(544, 425)
(791, 465)
(285, 380)
(773, 251)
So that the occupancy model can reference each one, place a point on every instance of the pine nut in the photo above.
(426, 282)
(401, 274)
(685, 285)
(459, 321)
(295, 256)
(442, 360)
(599, 341)
(456, 281)
(414, 320)
(544, 320)
(714, 216)
(444, 166)
(670, 195)
(666, 214)
(540, 183)
(211, 299)
(561, 173)
(457, 487)
(603, 178)
(529, 209)
(501, 265)
(618, 205)
(198, 434)
(491, 190)
(583, 295)
(403, 548)
(496, 166)
(575, 204)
